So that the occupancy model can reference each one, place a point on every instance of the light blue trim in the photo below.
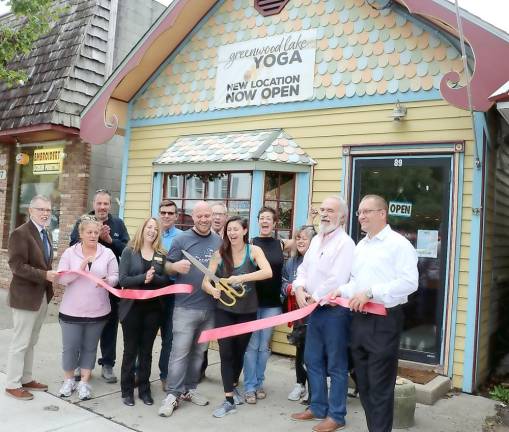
(157, 193)
(125, 162)
(257, 186)
(176, 51)
(447, 287)
(301, 199)
(475, 273)
(292, 107)
(454, 306)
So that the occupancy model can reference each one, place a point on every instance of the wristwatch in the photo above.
(369, 293)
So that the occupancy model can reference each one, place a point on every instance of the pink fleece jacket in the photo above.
(82, 297)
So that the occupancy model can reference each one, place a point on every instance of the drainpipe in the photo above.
(15, 190)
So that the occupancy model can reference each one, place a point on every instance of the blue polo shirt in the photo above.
(168, 236)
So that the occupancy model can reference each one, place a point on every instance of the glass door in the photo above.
(418, 191)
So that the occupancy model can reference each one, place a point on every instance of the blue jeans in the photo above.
(258, 352)
(186, 355)
(166, 335)
(326, 353)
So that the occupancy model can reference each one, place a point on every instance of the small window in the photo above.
(233, 189)
(279, 194)
(270, 7)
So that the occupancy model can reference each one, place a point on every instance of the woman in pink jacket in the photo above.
(85, 306)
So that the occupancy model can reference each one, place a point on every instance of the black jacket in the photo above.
(132, 275)
(118, 233)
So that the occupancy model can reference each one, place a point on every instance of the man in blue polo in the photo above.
(168, 215)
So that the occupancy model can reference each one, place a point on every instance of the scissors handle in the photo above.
(230, 292)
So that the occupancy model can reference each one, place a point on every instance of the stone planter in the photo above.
(503, 413)
(404, 404)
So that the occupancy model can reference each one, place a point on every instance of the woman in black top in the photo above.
(269, 304)
(141, 267)
(239, 263)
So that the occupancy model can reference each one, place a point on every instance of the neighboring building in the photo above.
(41, 119)
(287, 106)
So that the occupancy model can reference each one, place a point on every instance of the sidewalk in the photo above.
(105, 412)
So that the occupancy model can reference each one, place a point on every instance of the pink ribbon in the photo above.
(252, 326)
(133, 294)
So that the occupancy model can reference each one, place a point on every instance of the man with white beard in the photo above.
(326, 266)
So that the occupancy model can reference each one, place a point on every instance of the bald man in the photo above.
(193, 312)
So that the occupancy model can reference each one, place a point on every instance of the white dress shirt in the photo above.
(386, 263)
(327, 264)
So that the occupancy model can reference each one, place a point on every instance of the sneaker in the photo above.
(298, 392)
(84, 390)
(237, 397)
(67, 388)
(225, 409)
(170, 403)
(261, 394)
(194, 397)
(108, 374)
(77, 374)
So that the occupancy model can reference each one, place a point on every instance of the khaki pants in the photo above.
(27, 326)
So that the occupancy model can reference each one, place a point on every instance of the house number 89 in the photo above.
(398, 162)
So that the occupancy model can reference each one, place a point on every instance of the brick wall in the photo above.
(73, 186)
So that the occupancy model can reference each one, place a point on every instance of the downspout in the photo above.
(15, 189)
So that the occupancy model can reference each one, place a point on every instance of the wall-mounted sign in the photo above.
(3, 174)
(22, 159)
(403, 209)
(276, 69)
(48, 161)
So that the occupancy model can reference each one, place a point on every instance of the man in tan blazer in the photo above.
(30, 256)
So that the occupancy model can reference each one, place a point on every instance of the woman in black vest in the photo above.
(241, 264)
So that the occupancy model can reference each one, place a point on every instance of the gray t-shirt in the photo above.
(202, 248)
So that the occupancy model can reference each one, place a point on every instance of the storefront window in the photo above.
(41, 176)
(279, 194)
(232, 189)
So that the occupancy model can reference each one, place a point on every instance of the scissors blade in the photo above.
(200, 266)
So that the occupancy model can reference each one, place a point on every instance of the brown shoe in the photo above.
(35, 386)
(19, 393)
(328, 425)
(305, 416)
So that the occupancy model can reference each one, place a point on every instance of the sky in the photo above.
(495, 12)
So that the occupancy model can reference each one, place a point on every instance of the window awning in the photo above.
(247, 150)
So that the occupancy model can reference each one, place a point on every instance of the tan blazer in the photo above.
(28, 266)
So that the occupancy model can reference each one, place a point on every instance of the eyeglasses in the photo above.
(365, 212)
(167, 213)
(42, 210)
(218, 214)
(103, 191)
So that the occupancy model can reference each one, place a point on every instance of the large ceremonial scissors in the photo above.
(233, 292)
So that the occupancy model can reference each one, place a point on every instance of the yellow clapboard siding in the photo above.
(322, 134)
(457, 380)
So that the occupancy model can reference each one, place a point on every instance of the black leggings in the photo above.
(140, 329)
(300, 370)
(232, 349)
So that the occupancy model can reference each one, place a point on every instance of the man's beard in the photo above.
(328, 228)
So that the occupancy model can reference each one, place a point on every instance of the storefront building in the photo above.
(230, 101)
(40, 148)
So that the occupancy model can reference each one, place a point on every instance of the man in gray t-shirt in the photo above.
(193, 312)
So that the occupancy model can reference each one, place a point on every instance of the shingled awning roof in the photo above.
(266, 145)
(66, 68)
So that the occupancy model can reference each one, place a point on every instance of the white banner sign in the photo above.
(276, 69)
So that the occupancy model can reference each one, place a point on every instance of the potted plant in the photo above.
(501, 393)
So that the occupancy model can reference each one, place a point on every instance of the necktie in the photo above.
(45, 245)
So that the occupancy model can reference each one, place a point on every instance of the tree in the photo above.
(34, 18)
